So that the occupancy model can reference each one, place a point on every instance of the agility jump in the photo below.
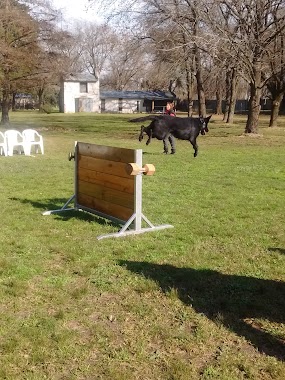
(108, 183)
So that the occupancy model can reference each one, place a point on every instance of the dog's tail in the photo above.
(144, 118)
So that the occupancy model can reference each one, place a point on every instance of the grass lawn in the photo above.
(203, 300)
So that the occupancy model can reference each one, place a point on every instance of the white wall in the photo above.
(72, 91)
(128, 105)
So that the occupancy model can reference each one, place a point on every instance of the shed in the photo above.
(134, 101)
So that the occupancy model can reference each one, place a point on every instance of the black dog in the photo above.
(183, 128)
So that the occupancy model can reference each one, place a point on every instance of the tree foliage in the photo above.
(26, 29)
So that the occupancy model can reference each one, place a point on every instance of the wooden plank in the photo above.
(102, 183)
(106, 152)
(126, 185)
(108, 195)
(102, 166)
(116, 211)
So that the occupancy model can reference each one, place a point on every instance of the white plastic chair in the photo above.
(33, 138)
(3, 144)
(14, 141)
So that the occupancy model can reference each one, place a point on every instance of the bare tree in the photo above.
(126, 65)
(275, 84)
(174, 31)
(276, 88)
(183, 20)
(231, 93)
(67, 50)
(253, 27)
(97, 43)
(244, 31)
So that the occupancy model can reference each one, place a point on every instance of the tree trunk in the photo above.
(199, 76)
(14, 102)
(233, 95)
(201, 95)
(276, 102)
(40, 98)
(5, 108)
(254, 100)
(189, 86)
(219, 100)
(200, 87)
(189, 76)
(228, 95)
(254, 110)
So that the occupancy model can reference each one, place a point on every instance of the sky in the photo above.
(76, 9)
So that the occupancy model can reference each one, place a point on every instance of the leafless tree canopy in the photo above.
(208, 38)
(203, 49)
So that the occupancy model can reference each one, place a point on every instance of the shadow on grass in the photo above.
(233, 301)
(44, 204)
(57, 203)
(279, 250)
(145, 153)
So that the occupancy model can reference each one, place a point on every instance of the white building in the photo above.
(134, 101)
(79, 93)
(121, 101)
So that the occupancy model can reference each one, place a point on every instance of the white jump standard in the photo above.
(108, 183)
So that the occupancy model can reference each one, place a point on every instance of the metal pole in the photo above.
(138, 192)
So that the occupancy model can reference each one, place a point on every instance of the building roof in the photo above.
(80, 77)
(150, 95)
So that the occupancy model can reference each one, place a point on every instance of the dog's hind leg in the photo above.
(195, 146)
(166, 140)
(149, 137)
(165, 145)
(141, 134)
(172, 143)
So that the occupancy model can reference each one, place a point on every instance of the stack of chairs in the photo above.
(13, 140)
(3, 145)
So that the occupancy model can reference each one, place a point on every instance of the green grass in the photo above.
(204, 300)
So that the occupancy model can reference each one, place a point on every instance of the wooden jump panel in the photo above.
(117, 211)
(102, 182)
(106, 152)
(115, 168)
(104, 187)
(105, 193)
(107, 180)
